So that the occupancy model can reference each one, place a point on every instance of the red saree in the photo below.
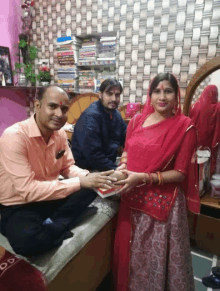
(169, 144)
(205, 116)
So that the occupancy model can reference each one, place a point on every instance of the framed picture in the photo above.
(5, 65)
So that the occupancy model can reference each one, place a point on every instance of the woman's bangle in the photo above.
(123, 159)
(151, 178)
(160, 178)
(121, 163)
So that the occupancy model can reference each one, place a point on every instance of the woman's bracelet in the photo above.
(151, 178)
(121, 163)
(160, 178)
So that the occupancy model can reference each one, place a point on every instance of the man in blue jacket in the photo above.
(100, 130)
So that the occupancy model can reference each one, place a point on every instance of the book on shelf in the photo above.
(104, 193)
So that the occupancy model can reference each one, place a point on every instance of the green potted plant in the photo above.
(44, 76)
(27, 66)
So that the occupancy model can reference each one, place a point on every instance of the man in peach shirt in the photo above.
(38, 210)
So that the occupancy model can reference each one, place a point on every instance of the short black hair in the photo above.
(42, 91)
(161, 77)
(110, 83)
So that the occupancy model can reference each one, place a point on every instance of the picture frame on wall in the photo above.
(5, 65)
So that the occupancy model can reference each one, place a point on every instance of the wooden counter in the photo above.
(207, 200)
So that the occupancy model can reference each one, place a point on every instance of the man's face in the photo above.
(110, 99)
(51, 111)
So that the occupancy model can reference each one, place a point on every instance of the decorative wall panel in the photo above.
(154, 36)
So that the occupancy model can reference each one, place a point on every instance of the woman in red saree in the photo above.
(152, 251)
(205, 115)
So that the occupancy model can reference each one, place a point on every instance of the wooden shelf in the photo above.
(207, 200)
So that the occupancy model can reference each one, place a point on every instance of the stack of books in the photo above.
(89, 52)
(108, 49)
(87, 81)
(67, 54)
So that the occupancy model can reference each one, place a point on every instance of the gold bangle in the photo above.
(159, 178)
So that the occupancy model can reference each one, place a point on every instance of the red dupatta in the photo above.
(204, 115)
(167, 137)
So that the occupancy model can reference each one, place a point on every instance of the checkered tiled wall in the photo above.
(153, 35)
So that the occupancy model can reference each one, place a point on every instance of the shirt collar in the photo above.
(33, 128)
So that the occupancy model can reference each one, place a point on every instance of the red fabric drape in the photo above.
(205, 116)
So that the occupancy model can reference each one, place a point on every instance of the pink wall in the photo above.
(10, 25)
(13, 106)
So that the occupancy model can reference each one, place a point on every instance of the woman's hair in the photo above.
(43, 90)
(161, 77)
(108, 84)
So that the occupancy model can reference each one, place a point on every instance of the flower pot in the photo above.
(22, 81)
(45, 84)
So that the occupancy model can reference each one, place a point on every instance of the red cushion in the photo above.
(17, 274)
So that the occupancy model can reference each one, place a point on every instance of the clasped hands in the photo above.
(111, 178)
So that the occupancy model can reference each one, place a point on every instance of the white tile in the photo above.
(206, 24)
(181, 16)
(162, 53)
(192, 68)
(123, 9)
(163, 37)
(136, 7)
(208, 6)
(211, 50)
(150, 22)
(133, 70)
(136, 24)
(190, 8)
(194, 51)
(196, 33)
(134, 55)
(122, 56)
(123, 25)
(213, 32)
(135, 39)
(133, 85)
(160, 69)
(165, 20)
(165, 4)
(68, 32)
(68, 19)
(179, 35)
(198, 15)
(176, 69)
(182, 3)
(148, 54)
(178, 53)
(149, 38)
(150, 5)
(68, 5)
(111, 12)
(146, 83)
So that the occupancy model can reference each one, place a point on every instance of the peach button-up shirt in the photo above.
(29, 169)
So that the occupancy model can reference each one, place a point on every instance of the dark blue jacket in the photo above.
(97, 137)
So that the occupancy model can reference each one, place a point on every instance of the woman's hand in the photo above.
(132, 180)
(123, 166)
(98, 180)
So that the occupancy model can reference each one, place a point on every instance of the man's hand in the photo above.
(98, 180)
